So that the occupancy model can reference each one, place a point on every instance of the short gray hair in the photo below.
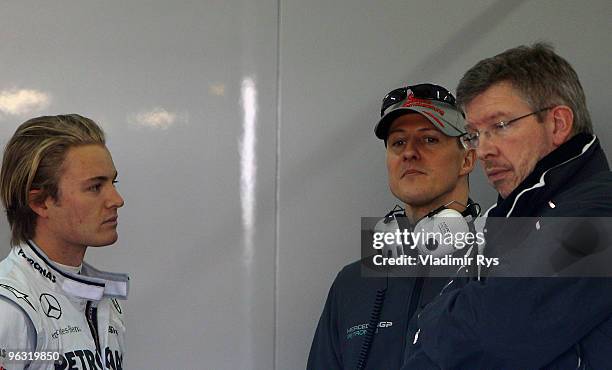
(541, 76)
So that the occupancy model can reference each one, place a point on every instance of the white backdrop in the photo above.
(242, 133)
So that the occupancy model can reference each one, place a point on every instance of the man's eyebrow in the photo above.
(102, 178)
(491, 118)
(392, 131)
(428, 129)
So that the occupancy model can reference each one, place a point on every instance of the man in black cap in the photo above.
(365, 320)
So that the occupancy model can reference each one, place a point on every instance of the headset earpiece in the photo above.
(438, 231)
(434, 234)
(389, 224)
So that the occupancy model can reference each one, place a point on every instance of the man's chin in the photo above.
(415, 200)
(503, 189)
(504, 186)
(104, 242)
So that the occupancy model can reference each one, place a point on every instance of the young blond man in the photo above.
(58, 188)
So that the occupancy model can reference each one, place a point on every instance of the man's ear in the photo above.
(563, 123)
(37, 203)
(469, 160)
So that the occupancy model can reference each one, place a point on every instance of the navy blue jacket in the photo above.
(343, 324)
(530, 323)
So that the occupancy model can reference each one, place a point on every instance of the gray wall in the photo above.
(242, 132)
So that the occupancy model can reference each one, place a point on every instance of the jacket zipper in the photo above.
(415, 298)
(91, 313)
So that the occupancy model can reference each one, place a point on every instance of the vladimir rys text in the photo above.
(430, 260)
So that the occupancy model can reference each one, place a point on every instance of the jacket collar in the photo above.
(554, 172)
(91, 284)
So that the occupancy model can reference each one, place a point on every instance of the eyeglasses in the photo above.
(471, 140)
(421, 91)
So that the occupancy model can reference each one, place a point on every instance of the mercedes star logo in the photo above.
(50, 306)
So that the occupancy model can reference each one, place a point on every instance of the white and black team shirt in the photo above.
(47, 308)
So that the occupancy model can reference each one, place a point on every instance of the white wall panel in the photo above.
(187, 94)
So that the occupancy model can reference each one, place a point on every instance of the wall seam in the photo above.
(277, 183)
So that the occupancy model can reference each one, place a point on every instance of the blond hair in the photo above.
(33, 160)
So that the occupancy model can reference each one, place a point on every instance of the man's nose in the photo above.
(410, 151)
(486, 146)
(115, 200)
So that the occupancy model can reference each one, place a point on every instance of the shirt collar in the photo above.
(91, 284)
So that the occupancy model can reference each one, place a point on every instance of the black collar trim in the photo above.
(59, 271)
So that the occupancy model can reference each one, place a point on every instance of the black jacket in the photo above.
(369, 318)
(350, 303)
(531, 323)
